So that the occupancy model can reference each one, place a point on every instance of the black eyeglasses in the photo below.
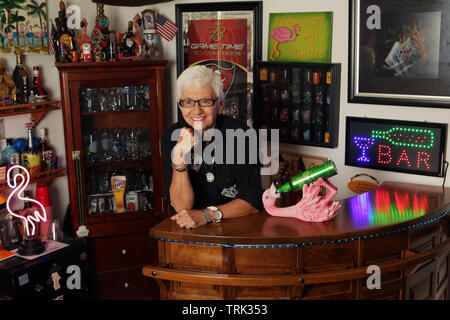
(189, 103)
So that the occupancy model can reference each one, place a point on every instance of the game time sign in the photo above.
(402, 146)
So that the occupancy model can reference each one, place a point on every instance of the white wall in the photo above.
(119, 17)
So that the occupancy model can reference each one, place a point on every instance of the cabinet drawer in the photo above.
(125, 284)
(120, 252)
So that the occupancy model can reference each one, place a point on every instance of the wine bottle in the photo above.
(46, 152)
(325, 170)
(39, 92)
(31, 158)
(21, 80)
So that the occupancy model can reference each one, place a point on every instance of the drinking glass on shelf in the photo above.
(106, 145)
(146, 98)
(143, 141)
(131, 145)
(91, 100)
(103, 101)
(117, 145)
(55, 231)
(128, 98)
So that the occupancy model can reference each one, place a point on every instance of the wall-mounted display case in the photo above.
(299, 99)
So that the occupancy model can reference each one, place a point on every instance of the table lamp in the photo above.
(31, 244)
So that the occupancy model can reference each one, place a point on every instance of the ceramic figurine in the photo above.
(7, 85)
(313, 207)
(99, 44)
(85, 43)
(151, 46)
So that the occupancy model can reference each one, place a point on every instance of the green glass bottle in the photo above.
(325, 170)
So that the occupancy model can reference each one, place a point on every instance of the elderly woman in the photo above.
(204, 192)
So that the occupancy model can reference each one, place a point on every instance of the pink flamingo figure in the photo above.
(283, 34)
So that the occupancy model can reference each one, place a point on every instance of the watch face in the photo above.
(217, 215)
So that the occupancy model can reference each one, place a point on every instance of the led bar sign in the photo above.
(402, 146)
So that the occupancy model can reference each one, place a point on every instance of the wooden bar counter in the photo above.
(404, 229)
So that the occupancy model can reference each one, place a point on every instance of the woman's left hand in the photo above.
(189, 218)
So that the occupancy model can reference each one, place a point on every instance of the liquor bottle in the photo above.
(9, 154)
(21, 80)
(274, 98)
(325, 170)
(39, 92)
(285, 109)
(31, 158)
(46, 151)
(65, 37)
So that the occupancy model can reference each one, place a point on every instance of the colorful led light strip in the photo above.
(407, 137)
(19, 187)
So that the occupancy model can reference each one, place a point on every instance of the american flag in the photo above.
(165, 28)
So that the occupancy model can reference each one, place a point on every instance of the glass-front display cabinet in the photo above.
(113, 118)
(301, 100)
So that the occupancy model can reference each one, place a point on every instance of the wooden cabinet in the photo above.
(113, 120)
(301, 100)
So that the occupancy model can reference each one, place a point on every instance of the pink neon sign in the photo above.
(18, 188)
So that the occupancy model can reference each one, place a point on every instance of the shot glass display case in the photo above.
(113, 118)
(299, 99)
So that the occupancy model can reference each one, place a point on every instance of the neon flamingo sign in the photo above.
(18, 188)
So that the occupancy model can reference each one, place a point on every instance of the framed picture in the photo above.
(24, 25)
(227, 38)
(394, 145)
(399, 52)
(300, 37)
(148, 18)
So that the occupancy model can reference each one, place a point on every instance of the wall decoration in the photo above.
(23, 24)
(300, 37)
(227, 38)
(399, 52)
(393, 145)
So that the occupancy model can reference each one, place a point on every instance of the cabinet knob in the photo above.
(126, 285)
(124, 252)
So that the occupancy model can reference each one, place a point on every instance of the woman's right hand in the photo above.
(185, 143)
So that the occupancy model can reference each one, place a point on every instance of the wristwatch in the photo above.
(181, 168)
(207, 216)
(217, 214)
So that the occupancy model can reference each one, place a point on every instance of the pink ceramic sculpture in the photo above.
(312, 207)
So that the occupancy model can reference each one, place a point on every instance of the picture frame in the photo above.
(300, 37)
(148, 19)
(226, 37)
(398, 52)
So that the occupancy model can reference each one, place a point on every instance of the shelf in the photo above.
(103, 113)
(37, 110)
(124, 164)
(41, 178)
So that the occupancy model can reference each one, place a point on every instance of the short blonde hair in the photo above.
(199, 76)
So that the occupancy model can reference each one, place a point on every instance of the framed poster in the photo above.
(227, 38)
(399, 52)
(300, 37)
(23, 24)
(394, 145)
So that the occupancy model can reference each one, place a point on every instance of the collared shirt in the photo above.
(231, 181)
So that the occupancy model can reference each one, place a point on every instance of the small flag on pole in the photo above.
(165, 28)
